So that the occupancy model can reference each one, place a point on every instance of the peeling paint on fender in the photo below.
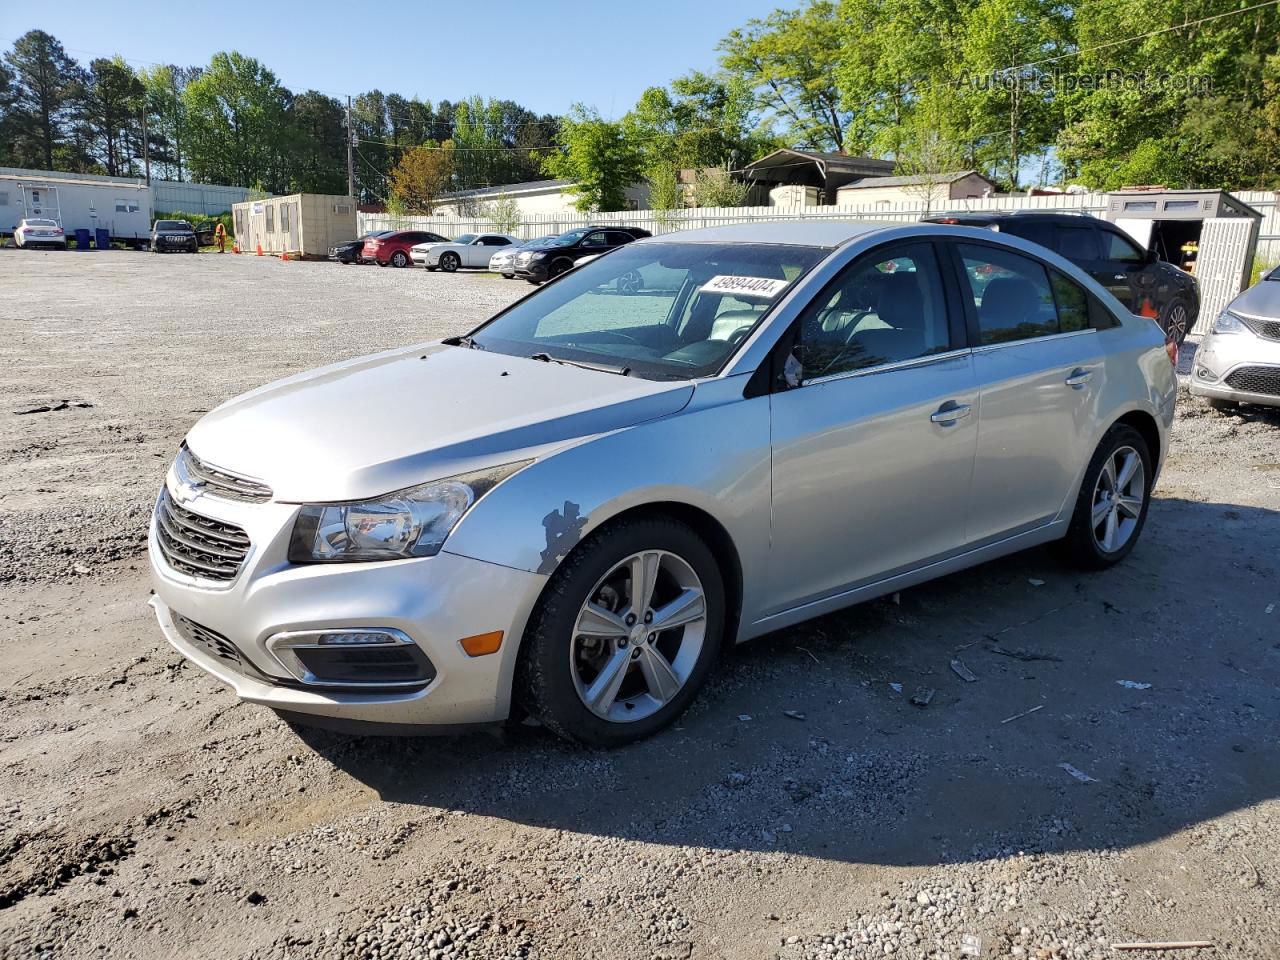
(564, 530)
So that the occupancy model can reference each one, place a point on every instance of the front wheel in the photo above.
(1111, 508)
(625, 633)
(449, 262)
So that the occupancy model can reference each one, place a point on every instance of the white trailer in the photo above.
(120, 206)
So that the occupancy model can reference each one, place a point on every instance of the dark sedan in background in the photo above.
(351, 251)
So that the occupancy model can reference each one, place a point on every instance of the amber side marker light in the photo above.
(482, 643)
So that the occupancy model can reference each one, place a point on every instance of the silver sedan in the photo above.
(1239, 360)
(691, 441)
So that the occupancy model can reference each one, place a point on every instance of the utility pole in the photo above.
(351, 170)
(146, 146)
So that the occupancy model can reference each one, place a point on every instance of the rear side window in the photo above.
(1076, 243)
(1073, 303)
(595, 240)
(1011, 294)
(617, 238)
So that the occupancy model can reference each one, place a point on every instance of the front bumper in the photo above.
(424, 259)
(537, 272)
(1223, 357)
(435, 601)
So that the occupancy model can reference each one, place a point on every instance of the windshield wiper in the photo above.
(467, 341)
(600, 367)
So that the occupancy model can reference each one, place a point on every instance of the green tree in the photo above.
(318, 152)
(167, 115)
(504, 211)
(598, 158)
(112, 106)
(45, 85)
(236, 115)
(789, 59)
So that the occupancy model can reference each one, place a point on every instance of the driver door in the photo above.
(873, 452)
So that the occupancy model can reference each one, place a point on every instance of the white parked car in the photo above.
(39, 232)
(469, 250)
(1239, 360)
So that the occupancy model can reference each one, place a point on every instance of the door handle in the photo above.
(1122, 276)
(950, 412)
(1079, 378)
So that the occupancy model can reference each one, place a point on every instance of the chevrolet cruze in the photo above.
(691, 441)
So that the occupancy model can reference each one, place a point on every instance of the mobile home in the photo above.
(120, 206)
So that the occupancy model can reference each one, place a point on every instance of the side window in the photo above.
(617, 238)
(284, 217)
(597, 239)
(1040, 233)
(1076, 243)
(495, 241)
(1121, 248)
(1073, 304)
(271, 219)
(885, 307)
(1011, 294)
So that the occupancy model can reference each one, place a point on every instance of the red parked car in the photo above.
(393, 248)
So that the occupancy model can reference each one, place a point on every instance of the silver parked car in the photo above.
(504, 261)
(693, 440)
(1239, 360)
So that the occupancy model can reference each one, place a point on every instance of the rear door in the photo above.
(1039, 368)
(1127, 271)
(873, 452)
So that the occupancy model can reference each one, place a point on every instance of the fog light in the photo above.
(352, 658)
(1204, 373)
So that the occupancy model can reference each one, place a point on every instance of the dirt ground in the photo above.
(1112, 774)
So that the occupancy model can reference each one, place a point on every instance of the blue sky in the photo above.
(545, 54)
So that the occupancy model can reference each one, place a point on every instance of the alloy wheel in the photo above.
(638, 636)
(449, 262)
(1118, 497)
(1177, 328)
(399, 259)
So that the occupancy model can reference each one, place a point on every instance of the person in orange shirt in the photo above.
(220, 237)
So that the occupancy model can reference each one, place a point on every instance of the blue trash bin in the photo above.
(82, 239)
(103, 239)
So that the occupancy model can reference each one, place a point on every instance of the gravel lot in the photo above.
(145, 813)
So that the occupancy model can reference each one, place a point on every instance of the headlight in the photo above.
(408, 523)
(1228, 322)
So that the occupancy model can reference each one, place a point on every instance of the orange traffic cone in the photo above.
(259, 249)
(285, 256)
(235, 246)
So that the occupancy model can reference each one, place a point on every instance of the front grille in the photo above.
(220, 483)
(196, 545)
(1267, 329)
(208, 640)
(1263, 380)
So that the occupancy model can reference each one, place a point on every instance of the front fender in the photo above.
(712, 456)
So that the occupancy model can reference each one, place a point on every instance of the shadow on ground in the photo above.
(869, 777)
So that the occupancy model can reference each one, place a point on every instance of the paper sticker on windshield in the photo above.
(763, 287)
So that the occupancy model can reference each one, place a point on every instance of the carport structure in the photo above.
(1206, 232)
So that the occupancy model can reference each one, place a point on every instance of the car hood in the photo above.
(375, 424)
(423, 247)
(1260, 300)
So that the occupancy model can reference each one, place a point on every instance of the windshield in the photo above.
(172, 225)
(466, 238)
(566, 239)
(662, 311)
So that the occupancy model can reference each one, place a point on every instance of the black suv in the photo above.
(1139, 279)
(173, 235)
(548, 260)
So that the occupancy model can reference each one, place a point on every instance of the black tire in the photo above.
(544, 685)
(400, 259)
(450, 262)
(1080, 546)
(1176, 320)
(1221, 405)
(559, 267)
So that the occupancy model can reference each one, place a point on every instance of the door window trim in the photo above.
(892, 365)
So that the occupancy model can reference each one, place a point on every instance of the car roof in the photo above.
(1016, 216)
(807, 233)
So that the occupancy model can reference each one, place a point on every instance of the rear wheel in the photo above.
(625, 633)
(449, 262)
(399, 259)
(1111, 508)
(1176, 321)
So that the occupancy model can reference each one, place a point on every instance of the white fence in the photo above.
(536, 225)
